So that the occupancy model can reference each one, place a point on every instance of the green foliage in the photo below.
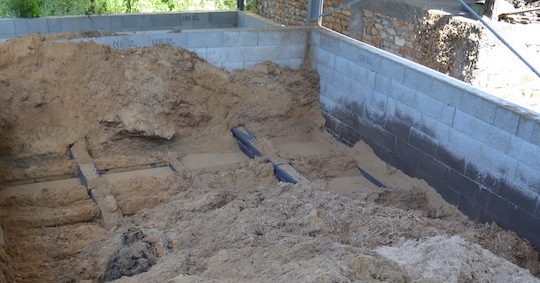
(36, 8)
(21, 8)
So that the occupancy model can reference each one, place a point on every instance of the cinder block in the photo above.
(525, 152)
(205, 39)
(506, 119)
(116, 22)
(327, 104)
(295, 63)
(343, 82)
(526, 127)
(223, 18)
(240, 39)
(38, 25)
(434, 128)
(527, 176)
(391, 69)
(464, 146)
(54, 25)
(336, 94)
(536, 134)
(7, 27)
(75, 24)
(478, 107)
(434, 108)
(382, 83)
(165, 21)
(215, 39)
(21, 26)
(375, 104)
(325, 74)
(346, 67)
(271, 37)
(364, 76)
(402, 93)
(249, 64)
(417, 80)
(129, 41)
(161, 38)
(261, 53)
(136, 22)
(315, 38)
(368, 60)
(223, 55)
(201, 52)
(403, 113)
(329, 43)
(195, 20)
(298, 37)
(348, 51)
(233, 66)
(445, 92)
(486, 133)
(292, 51)
(325, 58)
(101, 23)
(359, 93)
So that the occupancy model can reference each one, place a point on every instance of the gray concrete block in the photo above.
(368, 60)
(205, 39)
(38, 25)
(261, 53)
(478, 107)
(7, 27)
(365, 76)
(343, 82)
(223, 18)
(445, 92)
(327, 104)
(348, 51)
(129, 41)
(249, 64)
(220, 56)
(329, 43)
(165, 21)
(162, 38)
(417, 80)
(195, 20)
(528, 177)
(75, 24)
(21, 26)
(233, 66)
(201, 52)
(375, 105)
(391, 69)
(526, 128)
(54, 25)
(292, 51)
(295, 63)
(336, 94)
(315, 38)
(298, 37)
(240, 38)
(506, 119)
(101, 23)
(325, 58)
(442, 112)
(402, 93)
(137, 22)
(345, 67)
(403, 113)
(382, 83)
(486, 133)
(496, 163)
(359, 93)
(464, 146)
(271, 37)
(525, 152)
(435, 129)
(116, 22)
(325, 74)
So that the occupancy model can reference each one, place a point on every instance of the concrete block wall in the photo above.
(231, 49)
(480, 152)
(10, 27)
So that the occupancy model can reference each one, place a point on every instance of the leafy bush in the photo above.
(22, 8)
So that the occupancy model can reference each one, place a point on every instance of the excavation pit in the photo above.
(177, 200)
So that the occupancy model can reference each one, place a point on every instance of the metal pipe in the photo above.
(470, 10)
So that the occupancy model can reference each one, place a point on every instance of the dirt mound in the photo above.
(219, 223)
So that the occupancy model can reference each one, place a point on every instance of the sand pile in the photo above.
(230, 223)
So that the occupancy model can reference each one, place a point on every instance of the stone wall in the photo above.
(338, 21)
(287, 12)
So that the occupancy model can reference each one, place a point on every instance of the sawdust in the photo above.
(222, 219)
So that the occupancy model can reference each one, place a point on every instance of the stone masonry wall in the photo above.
(287, 12)
(338, 21)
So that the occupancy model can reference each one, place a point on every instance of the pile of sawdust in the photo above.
(226, 224)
